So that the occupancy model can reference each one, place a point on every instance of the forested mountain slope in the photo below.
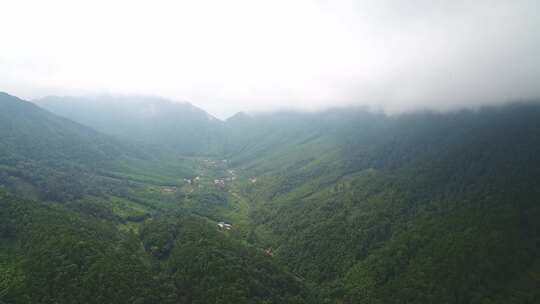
(31, 132)
(51, 158)
(343, 205)
(51, 255)
(416, 208)
(156, 122)
(95, 213)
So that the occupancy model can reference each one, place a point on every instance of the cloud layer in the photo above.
(228, 56)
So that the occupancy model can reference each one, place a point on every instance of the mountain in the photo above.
(416, 208)
(156, 122)
(49, 157)
(86, 218)
(338, 206)
(29, 131)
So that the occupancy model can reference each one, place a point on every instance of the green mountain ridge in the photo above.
(55, 155)
(417, 208)
(338, 206)
(83, 236)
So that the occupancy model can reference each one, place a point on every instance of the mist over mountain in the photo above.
(233, 57)
(331, 152)
(343, 205)
(181, 127)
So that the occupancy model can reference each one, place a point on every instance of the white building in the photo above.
(224, 226)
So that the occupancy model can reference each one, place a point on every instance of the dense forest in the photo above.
(338, 206)
(52, 255)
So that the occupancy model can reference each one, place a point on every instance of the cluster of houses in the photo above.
(233, 175)
(190, 181)
(219, 182)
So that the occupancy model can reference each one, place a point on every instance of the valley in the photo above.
(270, 152)
(342, 206)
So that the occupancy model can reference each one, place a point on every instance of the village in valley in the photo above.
(219, 187)
(211, 189)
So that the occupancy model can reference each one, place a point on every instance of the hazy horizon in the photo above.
(255, 56)
(141, 98)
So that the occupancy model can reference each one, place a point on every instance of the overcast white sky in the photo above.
(229, 56)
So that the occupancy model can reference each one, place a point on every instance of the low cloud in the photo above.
(229, 56)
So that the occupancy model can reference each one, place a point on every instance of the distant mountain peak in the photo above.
(238, 117)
